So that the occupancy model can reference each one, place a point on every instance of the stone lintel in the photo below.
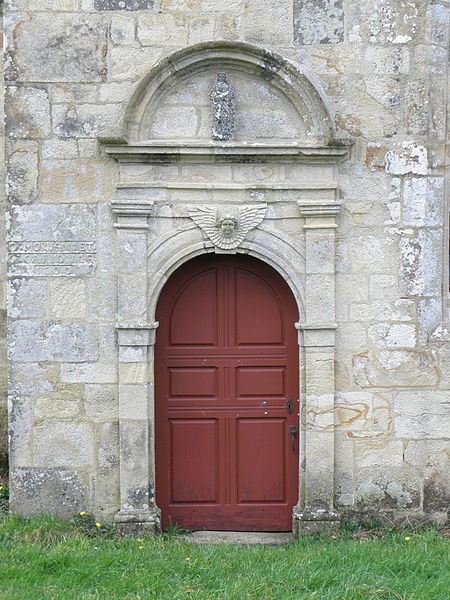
(193, 151)
(137, 334)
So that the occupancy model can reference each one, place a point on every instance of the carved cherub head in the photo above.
(227, 225)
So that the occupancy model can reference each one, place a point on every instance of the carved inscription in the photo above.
(50, 258)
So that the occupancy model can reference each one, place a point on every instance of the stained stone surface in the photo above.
(88, 241)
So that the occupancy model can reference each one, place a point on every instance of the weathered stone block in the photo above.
(55, 407)
(27, 298)
(101, 402)
(89, 373)
(56, 149)
(395, 368)
(76, 181)
(410, 157)
(41, 52)
(107, 476)
(63, 444)
(87, 121)
(421, 415)
(22, 178)
(67, 299)
(27, 112)
(421, 269)
(393, 335)
(36, 341)
(58, 492)
(318, 21)
(422, 201)
(124, 4)
(134, 402)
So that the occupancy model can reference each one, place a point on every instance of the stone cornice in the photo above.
(195, 152)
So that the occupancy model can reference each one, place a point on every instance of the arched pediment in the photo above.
(275, 101)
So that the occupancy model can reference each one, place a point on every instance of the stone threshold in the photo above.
(245, 538)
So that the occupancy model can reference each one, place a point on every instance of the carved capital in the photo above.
(134, 334)
(132, 216)
(319, 215)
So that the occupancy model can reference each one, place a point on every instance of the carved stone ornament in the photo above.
(224, 109)
(228, 231)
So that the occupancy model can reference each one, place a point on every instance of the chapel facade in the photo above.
(225, 261)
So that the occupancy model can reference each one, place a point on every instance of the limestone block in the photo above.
(320, 298)
(161, 28)
(134, 473)
(395, 368)
(32, 341)
(421, 262)
(393, 335)
(409, 157)
(41, 52)
(386, 22)
(422, 202)
(134, 373)
(107, 497)
(101, 402)
(102, 297)
(421, 415)
(27, 112)
(87, 121)
(263, 26)
(260, 122)
(319, 411)
(22, 177)
(362, 412)
(114, 92)
(107, 341)
(67, 299)
(63, 444)
(131, 251)
(58, 492)
(431, 458)
(56, 149)
(383, 453)
(27, 298)
(89, 373)
(55, 5)
(132, 172)
(21, 425)
(75, 93)
(124, 4)
(88, 149)
(351, 337)
(122, 30)
(132, 354)
(318, 22)
(27, 379)
(399, 310)
(319, 469)
(319, 252)
(440, 21)
(37, 222)
(226, 26)
(319, 376)
(175, 121)
(200, 29)
(55, 407)
(386, 60)
(134, 401)
(132, 299)
(206, 6)
(416, 105)
(371, 253)
(76, 181)
(130, 64)
(383, 287)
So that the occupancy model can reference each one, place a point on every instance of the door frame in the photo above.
(307, 263)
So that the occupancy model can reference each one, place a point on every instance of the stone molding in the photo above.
(137, 335)
(154, 151)
(132, 215)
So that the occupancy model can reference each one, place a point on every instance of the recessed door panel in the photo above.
(260, 460)
(194, 460)
(226, 364)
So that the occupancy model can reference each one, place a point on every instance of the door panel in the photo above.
(226, 363)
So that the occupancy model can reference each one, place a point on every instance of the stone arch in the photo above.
(297, 88)
(168, 253)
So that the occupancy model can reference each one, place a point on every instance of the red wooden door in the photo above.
(226, 366)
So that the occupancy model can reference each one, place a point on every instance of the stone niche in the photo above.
(279, 165)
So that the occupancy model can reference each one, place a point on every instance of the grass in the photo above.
(45, 558)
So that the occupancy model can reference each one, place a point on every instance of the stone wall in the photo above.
(72, 67)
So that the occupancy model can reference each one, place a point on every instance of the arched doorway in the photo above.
(226, 384)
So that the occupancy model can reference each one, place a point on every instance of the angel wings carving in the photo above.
(228, 231)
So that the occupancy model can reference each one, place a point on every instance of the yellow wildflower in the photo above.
(407, 538)
(141, 547)
(98, 524)
(187, 558)
(82, 513)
